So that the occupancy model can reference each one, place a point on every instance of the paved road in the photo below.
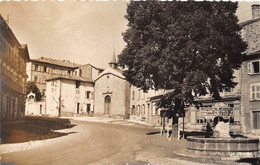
(100, 143)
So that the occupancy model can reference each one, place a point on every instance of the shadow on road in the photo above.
(153, 133)
(254, 161)
(33, 128)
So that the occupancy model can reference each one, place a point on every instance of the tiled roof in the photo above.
(116, 72)
(75, 78)
(64, 63)
(253, 55)
(224, 98)
(101, 69)
(245, 23)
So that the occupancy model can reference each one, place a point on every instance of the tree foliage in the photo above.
(191, 47)
(32, 87)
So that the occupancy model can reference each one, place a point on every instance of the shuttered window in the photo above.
(253, 67)
(255, 91)
(256, 120)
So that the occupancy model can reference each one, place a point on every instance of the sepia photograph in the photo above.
(129, 82)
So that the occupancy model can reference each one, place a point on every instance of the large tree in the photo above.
(191, 47)
(32, 87)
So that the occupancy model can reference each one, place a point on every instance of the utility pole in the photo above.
(60, 101)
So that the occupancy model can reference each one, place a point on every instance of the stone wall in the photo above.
(115, 87)
(246, 105)
(250, 34)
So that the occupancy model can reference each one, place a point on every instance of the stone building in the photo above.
(39, 70)
(13, 74)
(42, 69)
(112, 92)
(250, 75)
(33, 107)
(69, 96)
(143, 105)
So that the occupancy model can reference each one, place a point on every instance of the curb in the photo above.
(141, 123)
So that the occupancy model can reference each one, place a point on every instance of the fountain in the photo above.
(222, 144)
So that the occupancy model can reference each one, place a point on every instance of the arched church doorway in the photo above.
(107, 105)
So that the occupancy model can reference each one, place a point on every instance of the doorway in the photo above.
(40, 109)
(77, 108)
(107, 105)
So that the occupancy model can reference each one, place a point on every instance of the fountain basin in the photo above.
(233, 147)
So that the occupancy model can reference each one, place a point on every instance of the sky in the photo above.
(80, 31)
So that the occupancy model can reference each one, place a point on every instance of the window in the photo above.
(255, 91)
(80, 72)
(139, 94)
(87, 94)
(43, 92)
(33, 67)
(256, 119)
(143, 95)
(133, 95)
(45, 69)
(38, 68)
(77, 84)
(253, 67)
(35, 79)
(88, 107)
(133, 110)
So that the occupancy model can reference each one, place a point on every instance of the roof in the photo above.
(251, 56)
(245, 23)
(115, 72)
(5, 26)
(224, 98)
(64, 63)
(74, 78)
(25, 51)
(158, 97)
(101, 69)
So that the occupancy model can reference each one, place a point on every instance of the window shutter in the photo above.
(254, 120)
(252, 93)
(249, 68)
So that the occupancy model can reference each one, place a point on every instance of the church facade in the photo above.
(112, 92)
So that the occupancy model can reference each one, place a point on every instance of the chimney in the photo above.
(255, 11)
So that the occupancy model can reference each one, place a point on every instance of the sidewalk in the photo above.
(105, 119)
(140, 123)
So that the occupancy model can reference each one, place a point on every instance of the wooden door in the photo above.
(107, 105)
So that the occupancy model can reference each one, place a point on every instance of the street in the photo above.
(99, 143)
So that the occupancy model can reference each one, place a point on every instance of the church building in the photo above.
(112, 92)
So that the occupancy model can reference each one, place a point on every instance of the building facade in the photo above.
(39, 70)
(43, 69)
(143, 105)
(112, 92)
(69, 96)
(250, 77)
(13, 74)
